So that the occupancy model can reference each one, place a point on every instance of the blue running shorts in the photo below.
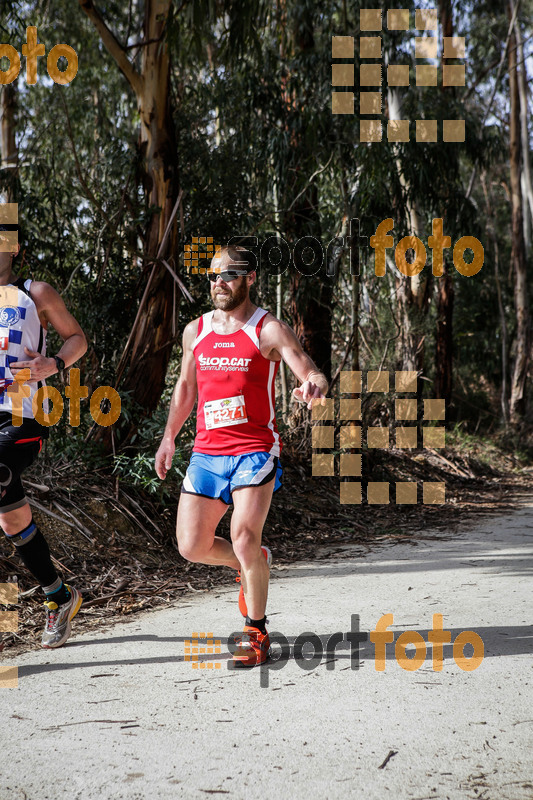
(219, 476)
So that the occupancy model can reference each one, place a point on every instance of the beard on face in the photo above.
(230, 299)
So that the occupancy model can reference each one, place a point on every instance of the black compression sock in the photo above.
(34, 552)
(59, 596)
(257, 623)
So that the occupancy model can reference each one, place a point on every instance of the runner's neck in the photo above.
(7, 276)
(232, 321)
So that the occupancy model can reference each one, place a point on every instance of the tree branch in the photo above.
(113, 46)
(349, 347)
(495, 87)
(309, 182)
(145, 42)
(85, 186)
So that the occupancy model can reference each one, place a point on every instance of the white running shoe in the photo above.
(58, 618)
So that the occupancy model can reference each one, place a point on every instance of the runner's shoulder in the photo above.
(42, 294)
(190, 332)
(273, 328)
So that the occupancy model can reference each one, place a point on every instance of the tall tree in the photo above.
(445, 290)
(412, 292)
(9, 149)
(310, 298)
(526, 181)
(148, 349)
(518, 253)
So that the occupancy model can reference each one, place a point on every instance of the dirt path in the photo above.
(118, 713)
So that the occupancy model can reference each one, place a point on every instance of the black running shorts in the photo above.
(19, 447)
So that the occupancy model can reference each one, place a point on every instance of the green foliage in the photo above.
(135, 465)
(138, 470)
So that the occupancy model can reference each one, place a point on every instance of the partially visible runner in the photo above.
(230, 359)
(26, 309)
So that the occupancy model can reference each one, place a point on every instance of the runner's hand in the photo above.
(40, 367)
(163, 458)
(309, 393)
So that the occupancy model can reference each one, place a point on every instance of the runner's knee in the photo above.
(12, 499)
(191, 550)
(246, 545)
(23, 536)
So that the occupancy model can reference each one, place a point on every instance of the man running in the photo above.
(230, 359)
(26, 309)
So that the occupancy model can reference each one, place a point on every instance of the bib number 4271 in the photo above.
(224, 412)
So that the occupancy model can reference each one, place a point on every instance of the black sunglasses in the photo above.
(226, 275)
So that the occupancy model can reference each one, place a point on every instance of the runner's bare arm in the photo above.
(181, 404)
(52, 310)
(279, 339)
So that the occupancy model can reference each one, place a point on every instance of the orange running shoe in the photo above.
(242, 600)
(253, 649)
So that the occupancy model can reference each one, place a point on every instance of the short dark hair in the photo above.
(240, 255)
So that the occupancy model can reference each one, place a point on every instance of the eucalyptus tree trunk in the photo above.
(9, 149)
(518, 254)
(491, 234)
(412, 292)
(147, 354)
(525, 178)
(310, 297)
(445, 291)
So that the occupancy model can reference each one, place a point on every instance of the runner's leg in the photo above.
(251, 506)
(32, 549)
(196, 525)
(14, 521)
(15, 513)
(62, 601)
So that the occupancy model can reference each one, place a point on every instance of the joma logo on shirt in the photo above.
(220, 362)
(224, 344)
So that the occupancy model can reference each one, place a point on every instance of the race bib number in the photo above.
(228, 411)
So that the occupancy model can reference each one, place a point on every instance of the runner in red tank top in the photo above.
(235, 390)
(230, 359)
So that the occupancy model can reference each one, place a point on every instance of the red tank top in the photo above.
(236, 410)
